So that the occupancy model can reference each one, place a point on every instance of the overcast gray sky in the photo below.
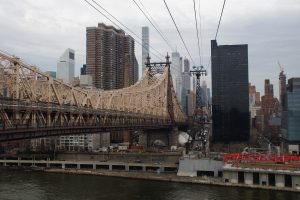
(38, 31)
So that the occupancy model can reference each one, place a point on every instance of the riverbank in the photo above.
(160, 172)
(166, 177)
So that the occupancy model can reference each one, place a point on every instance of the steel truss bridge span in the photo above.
(34, 104)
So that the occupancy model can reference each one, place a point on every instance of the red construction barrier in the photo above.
(260, 158)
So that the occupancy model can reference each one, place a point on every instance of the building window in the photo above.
(71, 55)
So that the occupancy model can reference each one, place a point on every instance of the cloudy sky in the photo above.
(38, 31)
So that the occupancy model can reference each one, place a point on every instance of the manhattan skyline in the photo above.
(39, 31)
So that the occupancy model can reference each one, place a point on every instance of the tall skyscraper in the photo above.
(230, 98)
(209, 96)
(110, 57)
(186, 80)
(194, 83)
(291, 112)
(267, 120)
(136, 70)
(282, 87)
(254, 96)
(269, 91)
(66, 66)
(204, 95)
(254, 105)
(186, 65)
(145, 45)
(269, 104)
(186, 86)
(191, 103)
(176, 69)
(129, 61)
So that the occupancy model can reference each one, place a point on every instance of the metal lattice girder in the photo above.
(49, 101)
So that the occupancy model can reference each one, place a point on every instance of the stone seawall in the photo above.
(169, 177)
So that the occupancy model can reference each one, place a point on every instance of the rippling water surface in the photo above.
(29, 185)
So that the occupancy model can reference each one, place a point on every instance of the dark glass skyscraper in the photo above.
(291, 111)
(230, 96)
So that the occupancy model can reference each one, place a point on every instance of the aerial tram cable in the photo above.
(156, 55)
(217, 29)
(220, 20)
(153, 24)
(179, 32)
(131, 31)
(197, 30)
(200, 32)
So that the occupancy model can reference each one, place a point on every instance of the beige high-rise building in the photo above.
(129, 61)
(111, 62)
(110, 57)
(191, 103)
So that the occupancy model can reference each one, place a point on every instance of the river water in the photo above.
(31, 185)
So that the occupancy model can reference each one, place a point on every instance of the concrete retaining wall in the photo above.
(283, 179)
(190, 167)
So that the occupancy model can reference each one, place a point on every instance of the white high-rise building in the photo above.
(186, 86)
(66, 66)
(194, 83)
(85, 142)
(176, 70)
(145, 45)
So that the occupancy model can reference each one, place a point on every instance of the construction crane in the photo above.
(280, 67)
(282, 83)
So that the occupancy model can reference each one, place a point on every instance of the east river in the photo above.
(31, 185)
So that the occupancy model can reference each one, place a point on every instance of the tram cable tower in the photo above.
(198, 135)
(198, 72)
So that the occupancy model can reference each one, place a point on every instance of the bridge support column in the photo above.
(94, 166)
(162, 169)
(78, 166)
(173, 137)
(162, 137)
(143, 138)
(33, 162)
(19, 161)
(63, 166)
(144, 168)
(279, 179)
(48, 164)
(127, 168)
(248, 178)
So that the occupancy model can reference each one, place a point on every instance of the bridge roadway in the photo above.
(112, 120)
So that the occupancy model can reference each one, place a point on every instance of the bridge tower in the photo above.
(171, 139)
(157, 67)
